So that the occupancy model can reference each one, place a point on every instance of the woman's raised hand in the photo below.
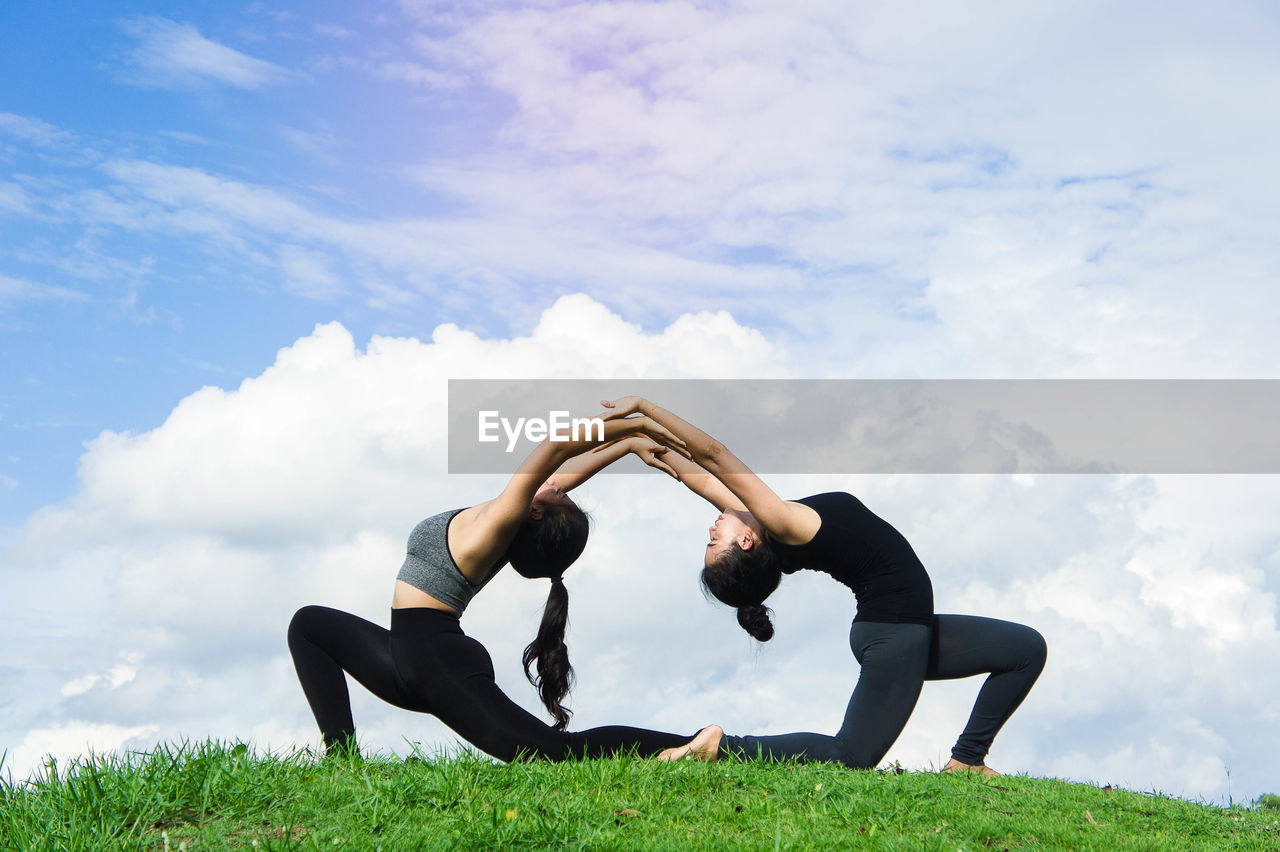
(661, 434)
(623, 406)
(651, 453)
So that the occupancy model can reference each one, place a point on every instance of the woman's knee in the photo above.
(510, 747)
(1037, 649)
(860, 748)
(304, 623)
(856, 758)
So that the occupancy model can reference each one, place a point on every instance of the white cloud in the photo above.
(193, 543)
(118, 675)
(298, 486)
(1047, 196)
(503, 265)
(322, 145)
(1044, 196)
(171, 55)
(308, 273)
(16, 289)
(70, 740)
(416, 74)
(79, 685)
(333, 31)
(39, 133)
(13, 199)
(1177, 756)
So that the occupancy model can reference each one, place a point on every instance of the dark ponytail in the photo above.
(545, 548)
(554, 677)
(755, 620)
(743, 579)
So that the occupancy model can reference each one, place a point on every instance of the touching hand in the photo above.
(623, 406)
(662, 435)
(651, 453)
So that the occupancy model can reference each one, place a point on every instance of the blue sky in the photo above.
(127, 320)
(321, 212)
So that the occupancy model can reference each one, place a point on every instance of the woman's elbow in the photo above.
(712, 455)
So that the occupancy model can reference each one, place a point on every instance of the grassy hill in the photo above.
(213, 795)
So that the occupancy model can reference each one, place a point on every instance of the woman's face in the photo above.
(548, 493)
(731, 526)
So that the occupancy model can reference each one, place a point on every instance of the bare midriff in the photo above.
(408, 597)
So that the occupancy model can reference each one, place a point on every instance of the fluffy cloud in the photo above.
(118, 675)
(61, 741)
(191, 545)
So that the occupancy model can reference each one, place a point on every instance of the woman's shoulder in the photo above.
(836, 511)
(434, 524)
(827, 507)
(830, 501)
(441, 517)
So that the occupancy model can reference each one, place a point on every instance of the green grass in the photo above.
(212, 796)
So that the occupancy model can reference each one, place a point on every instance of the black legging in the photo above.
(427, 664)
(896, 659)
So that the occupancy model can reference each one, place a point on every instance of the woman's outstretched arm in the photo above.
(485, 530)
(583, 466)
(684, 470)
(788, 522)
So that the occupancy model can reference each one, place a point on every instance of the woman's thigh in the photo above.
(454, 675)
(359, 647)
(893, 660)
(968, 645)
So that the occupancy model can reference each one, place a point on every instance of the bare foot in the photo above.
(954, 765)
(704, 746)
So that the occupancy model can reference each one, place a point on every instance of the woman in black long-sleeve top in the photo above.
(897, 638)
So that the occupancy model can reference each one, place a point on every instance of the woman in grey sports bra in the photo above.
(427, 664)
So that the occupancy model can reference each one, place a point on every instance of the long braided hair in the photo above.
(545, 548)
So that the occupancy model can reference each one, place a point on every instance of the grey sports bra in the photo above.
(429, 565)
